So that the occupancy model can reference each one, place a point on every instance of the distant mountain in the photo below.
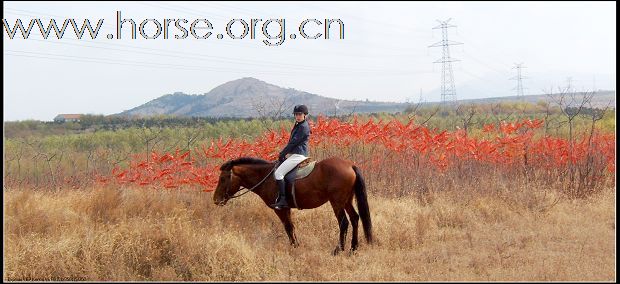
(250, 97)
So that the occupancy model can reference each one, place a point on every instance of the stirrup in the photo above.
(280, 203)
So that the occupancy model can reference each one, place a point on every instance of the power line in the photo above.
(488, 66)
(194, 10)
(211, 58)
(406, 29)
(185, 67)
(252, 45)
(493, 54)
(348, 42)
(177, 54)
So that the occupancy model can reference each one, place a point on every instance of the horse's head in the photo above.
(227, 186)
(231, 174)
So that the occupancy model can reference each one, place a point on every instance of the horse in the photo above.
(333, 179)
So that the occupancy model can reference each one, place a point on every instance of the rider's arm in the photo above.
(298, 137)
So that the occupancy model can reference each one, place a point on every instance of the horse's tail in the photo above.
(362, 203)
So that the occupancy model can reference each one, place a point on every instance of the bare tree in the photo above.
(350, 114)
(48, 156)
(190, 136)
(499, 115)
(177, 138)
(571, 106)
(433, 112)
(589, 169)
(12, 152)
(280, 106)
(271, 107)
(91, 151)
(259, 105)
(150, 136)
(548, 119)
(115, 157)
(595, 115)
(412, 109)
(465, 114)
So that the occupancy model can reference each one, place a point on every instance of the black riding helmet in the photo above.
(301, 108)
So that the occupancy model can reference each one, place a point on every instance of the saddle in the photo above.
(300, 171)
(304, 168)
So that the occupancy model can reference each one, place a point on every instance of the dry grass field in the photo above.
(518, 234)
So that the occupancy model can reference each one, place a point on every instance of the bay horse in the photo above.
(333, 179)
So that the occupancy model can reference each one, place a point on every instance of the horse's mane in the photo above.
(243, 160)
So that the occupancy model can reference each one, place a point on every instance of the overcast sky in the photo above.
(384, 56)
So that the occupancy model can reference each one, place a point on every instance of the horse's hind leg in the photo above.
(343, 224)
(354, 221)
(285, 217)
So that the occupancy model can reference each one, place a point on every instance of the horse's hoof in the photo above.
(352, 252)
(336, 251)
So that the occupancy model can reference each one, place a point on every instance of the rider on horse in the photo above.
(295, 152)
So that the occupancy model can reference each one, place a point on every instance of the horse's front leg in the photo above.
(285, 217)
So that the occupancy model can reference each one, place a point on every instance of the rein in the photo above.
(251, 189)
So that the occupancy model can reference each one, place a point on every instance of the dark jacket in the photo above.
(298, 143)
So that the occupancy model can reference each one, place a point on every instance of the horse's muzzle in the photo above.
(220, 202)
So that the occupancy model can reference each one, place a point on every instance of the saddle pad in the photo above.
(303, 170)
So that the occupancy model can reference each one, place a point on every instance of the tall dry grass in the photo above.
(470, 234)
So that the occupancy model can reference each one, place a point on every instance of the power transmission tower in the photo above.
(519, 78)
(448, 92)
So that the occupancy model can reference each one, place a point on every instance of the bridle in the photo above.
(226, 197)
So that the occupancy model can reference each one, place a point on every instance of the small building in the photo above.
(67, 118)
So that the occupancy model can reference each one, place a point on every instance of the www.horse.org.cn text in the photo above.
(271, 31)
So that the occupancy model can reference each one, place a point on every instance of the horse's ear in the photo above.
(236, 170)
(226, 166)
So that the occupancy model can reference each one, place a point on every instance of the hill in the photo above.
(250, 97)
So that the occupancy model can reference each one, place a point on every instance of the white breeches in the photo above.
(288, 165)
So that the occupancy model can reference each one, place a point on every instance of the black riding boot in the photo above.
(281, 202)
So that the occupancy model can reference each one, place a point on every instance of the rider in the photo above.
(295, 152)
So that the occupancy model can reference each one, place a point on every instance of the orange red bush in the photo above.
(506, 145)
